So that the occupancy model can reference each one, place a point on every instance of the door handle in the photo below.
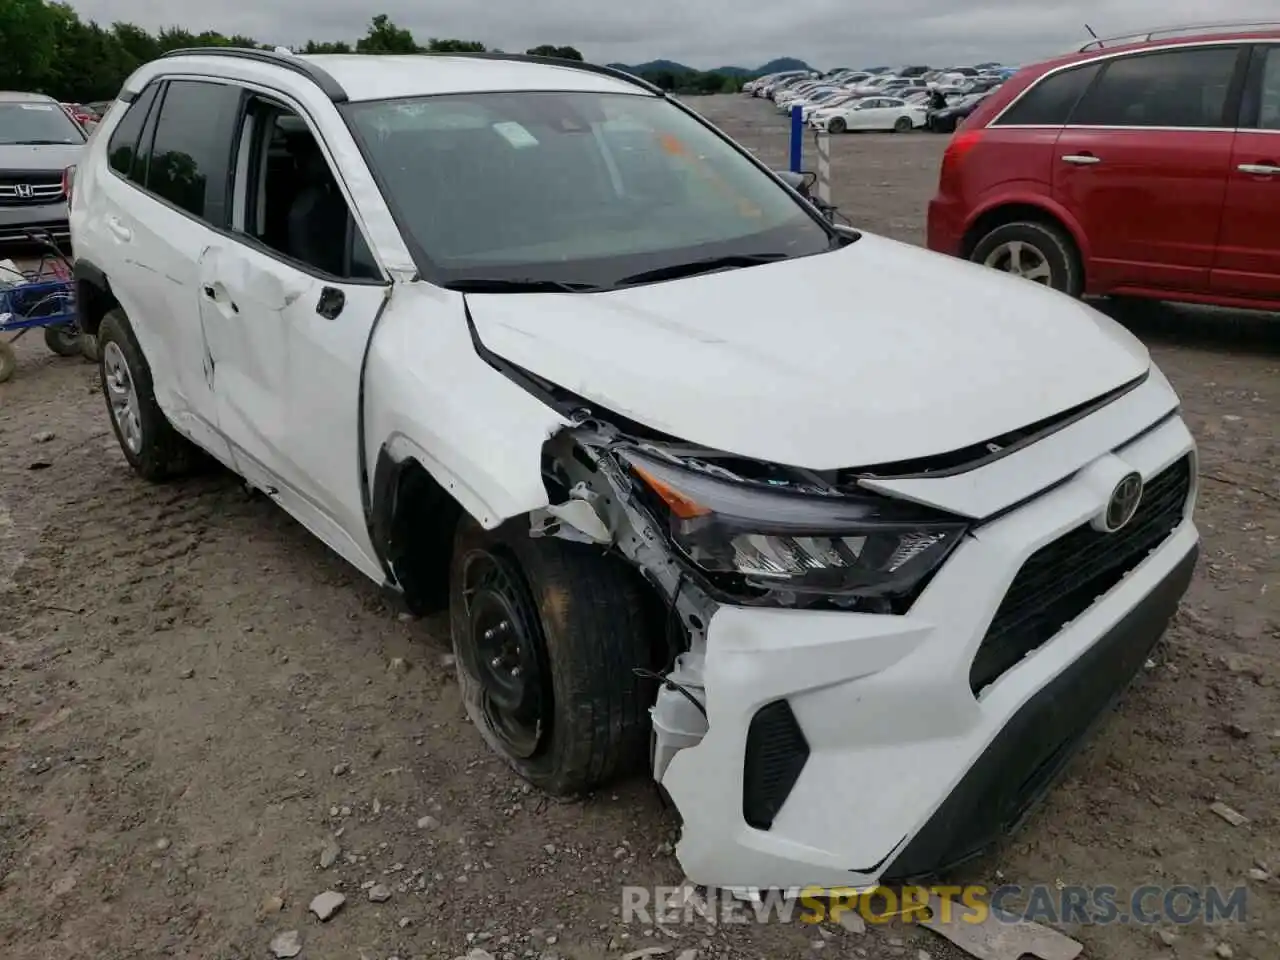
(1259, 169)
(1082, 159)
(332, 300)
(119, 229)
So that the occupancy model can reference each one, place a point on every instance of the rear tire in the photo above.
(8, 361)
(63, 340)
(154, 449)
(1046, 245)
(574, 622)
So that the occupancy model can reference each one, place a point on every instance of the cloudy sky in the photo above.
(706, 33)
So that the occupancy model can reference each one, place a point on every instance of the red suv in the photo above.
(1147, 168)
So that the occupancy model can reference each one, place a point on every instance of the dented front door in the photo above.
(286, 351)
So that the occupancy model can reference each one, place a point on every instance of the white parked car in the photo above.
(808, 109)
(872, 113)
(630, 407)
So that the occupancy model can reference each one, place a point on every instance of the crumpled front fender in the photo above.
(429, 396)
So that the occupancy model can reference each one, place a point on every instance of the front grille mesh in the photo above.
(1062, 579)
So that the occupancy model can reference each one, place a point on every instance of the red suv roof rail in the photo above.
(1191, 29)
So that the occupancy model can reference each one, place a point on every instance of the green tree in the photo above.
(48, 48)
(339, 46)
(385, 37)
(548, 50)
(454, 46)
(27, 37)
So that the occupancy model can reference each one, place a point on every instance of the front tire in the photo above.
(837, 125)
(547, 635)
(902, 125)
(1040, 252)
(153, 448)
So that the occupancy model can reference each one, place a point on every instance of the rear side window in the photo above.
(1262, 94)
(1175, 88)
(191, 151)
(1049, 102)
(122, 148)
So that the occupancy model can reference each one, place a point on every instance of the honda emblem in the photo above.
(23, 190)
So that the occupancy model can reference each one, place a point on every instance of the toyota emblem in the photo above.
(23, 190)
(1123, 503)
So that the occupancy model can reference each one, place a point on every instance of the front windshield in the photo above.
(36, 123)
(572, 187)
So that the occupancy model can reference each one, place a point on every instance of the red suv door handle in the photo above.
(1264, 169)
(1082, 159)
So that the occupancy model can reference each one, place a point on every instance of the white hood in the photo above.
(874, 353)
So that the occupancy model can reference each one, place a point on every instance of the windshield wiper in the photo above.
(695, 267)
(508, 285)
(41, 143)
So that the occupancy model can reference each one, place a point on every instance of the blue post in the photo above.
(797, 137)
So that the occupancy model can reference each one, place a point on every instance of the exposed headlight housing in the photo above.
(748, 535)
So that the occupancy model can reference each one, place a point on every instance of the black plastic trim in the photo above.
(1006, 783)
(321, 78)
(89, 272)
(1053, 425)
(776, 753)
(371, 491)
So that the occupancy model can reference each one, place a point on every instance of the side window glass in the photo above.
(191, 150)
(1177, 88)
(1049, 102)
(292, 199)
(1269, 101)
(122, 148)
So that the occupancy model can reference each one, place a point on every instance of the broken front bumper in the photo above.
(847, 749)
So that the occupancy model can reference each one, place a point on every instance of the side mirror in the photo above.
(799, 182)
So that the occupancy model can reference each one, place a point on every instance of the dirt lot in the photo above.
(200, 706)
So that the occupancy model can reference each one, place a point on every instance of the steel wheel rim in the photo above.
(1021, 259)
(502, 654)
(122, 395)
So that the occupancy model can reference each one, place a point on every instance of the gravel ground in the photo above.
(206, 719)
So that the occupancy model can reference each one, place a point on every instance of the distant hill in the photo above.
(782, 63)
(671, 66)
(654, 66)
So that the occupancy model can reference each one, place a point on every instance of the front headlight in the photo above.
(748, 535)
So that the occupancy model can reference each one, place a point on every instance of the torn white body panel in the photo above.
(429, 395)
(774, 364)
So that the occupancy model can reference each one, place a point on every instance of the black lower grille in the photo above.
(776, 753)
(1062, 579)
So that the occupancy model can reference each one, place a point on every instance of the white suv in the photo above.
(846, 540)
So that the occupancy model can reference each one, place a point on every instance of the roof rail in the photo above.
(329, 86)
(596, 68)
(1142, 36)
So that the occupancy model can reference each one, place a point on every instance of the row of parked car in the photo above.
(877, 98)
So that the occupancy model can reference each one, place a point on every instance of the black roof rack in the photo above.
(596, 68)
(334, 91)
(1142, 36)
(330, 87)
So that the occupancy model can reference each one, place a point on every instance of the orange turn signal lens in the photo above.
(682, 506)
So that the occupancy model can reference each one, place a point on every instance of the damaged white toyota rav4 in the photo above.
(848, 542)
